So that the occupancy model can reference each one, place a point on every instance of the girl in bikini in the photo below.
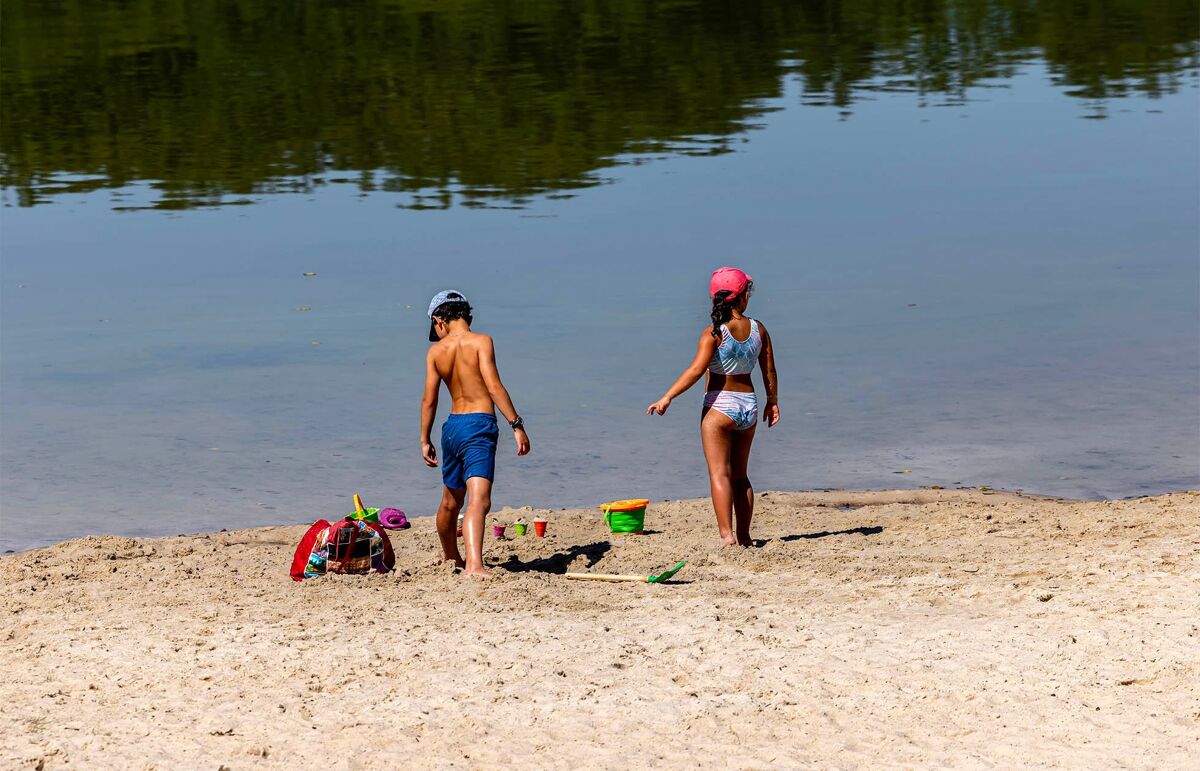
(728, 352)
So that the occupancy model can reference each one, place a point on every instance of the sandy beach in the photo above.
(912, 629)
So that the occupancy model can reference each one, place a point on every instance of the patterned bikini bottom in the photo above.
(739, 406)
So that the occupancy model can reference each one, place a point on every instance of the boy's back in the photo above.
(460, 361)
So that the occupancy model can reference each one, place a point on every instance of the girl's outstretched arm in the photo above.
(704, 353)
(766, 362)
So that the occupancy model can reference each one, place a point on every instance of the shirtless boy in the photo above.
(466, 362)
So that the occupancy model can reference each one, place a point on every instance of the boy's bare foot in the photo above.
(726, 541)
(746, 542)
(477, 573)
(459, 562)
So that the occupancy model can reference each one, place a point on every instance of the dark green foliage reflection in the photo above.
(488, 102)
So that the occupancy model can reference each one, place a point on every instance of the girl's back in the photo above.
(738, 350)
(739, 327)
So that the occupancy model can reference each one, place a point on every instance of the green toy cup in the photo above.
(626, 516)
(366, 515)
(520, 527)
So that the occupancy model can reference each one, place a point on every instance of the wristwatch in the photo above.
(519, 422)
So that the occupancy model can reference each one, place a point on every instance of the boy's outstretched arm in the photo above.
(429, 402)
(766, 362)
(499, 394)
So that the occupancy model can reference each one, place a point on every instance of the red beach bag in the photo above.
(348, 546)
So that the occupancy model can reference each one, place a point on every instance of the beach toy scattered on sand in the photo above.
(498, 531)
(363, 513)
(658, 579)
(520, 527)
(539, 527)
(628, 516)
(393, 519)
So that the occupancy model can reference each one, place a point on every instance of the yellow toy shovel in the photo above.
(362, 512)
(658, 579)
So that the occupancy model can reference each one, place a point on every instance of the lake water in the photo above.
(974, 230)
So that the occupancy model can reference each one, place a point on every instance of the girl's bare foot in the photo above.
(726, 540)
(745, 542)
(478, 573)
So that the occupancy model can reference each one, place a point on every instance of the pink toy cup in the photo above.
(498, 531)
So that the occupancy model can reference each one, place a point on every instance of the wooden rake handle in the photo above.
(606, 577)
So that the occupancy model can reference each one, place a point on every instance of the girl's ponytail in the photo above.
(723, 302)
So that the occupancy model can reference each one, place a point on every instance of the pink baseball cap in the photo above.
(731, 279)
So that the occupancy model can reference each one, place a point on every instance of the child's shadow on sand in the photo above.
(558, 563)
(873, 530)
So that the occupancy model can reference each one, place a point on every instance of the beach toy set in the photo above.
(520, 527)
(622, 517)
(392, 519)
(358, 543)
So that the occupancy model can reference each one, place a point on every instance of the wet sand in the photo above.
(931, 628)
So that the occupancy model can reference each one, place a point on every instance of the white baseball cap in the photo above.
(439, 299)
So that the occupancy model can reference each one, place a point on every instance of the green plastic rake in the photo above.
(658, 579)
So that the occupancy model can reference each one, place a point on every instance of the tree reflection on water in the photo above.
(489, 103)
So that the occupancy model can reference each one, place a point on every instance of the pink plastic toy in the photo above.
(393, 519)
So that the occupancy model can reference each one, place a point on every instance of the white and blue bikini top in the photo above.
(736, 357)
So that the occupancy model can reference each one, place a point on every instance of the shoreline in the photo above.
(869, 496)
(902, 627)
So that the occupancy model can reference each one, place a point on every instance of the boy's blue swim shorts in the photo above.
(468, 448)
